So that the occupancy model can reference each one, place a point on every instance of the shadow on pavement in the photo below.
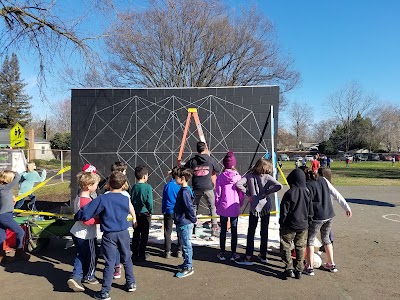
(208, 254)
(55, 276)
(370, 202)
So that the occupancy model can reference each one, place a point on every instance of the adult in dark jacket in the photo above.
(295, 214)
(204, 167)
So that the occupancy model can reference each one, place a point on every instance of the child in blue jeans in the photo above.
(184, 218)
(9, 180)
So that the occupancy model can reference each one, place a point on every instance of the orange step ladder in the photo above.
(192, 112)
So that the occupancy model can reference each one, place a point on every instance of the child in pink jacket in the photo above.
(228, 200)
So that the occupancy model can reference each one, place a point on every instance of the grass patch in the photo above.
(50, 164)
(58, 192)
(366, 173)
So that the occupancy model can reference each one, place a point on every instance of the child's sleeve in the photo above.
(271, 186)
(241, 184)
(164, 199)
(13, 183)
(310, 211)
(150, 201)
(189, 212)
(90, 210)
(284, 208)
(337, 196)
(83, 201)
(217, 191)
(43, 176)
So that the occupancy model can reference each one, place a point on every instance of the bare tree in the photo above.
(301, 119)
(178, 43)
(40, 31)
(347, 102)
(323, 129)
(387, 120)
(60, 119)
(285, 139)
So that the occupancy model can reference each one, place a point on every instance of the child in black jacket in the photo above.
(295, 215)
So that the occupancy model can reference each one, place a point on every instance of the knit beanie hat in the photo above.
(89, 168)
(229, 160)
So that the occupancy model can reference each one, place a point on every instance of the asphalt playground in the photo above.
(366, 251)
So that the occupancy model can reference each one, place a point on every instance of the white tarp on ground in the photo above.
(203, 233)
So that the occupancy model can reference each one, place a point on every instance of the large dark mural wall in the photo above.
(145, 126)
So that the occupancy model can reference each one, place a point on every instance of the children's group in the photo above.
(306, 209)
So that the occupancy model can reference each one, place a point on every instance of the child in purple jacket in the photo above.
(228, 200)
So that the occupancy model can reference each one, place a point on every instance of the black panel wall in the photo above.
(145, 126)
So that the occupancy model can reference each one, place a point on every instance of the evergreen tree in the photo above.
(14, 103)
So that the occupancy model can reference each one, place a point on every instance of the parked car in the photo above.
(284, 157)
(361, 157)
(397, 157)
(373, 157)
(344, 157)
(313, 148)
(385, 157)
(309, 157)
(297, 157)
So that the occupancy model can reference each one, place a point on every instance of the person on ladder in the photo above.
(204, 167)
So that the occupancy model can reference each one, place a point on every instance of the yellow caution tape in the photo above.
(20, 197)
(129, 218)
(283, 176)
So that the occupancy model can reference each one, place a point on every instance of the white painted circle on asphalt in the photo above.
(390, 217)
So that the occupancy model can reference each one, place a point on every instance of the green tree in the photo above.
(14, 103)
(361, 135)
(61, 141)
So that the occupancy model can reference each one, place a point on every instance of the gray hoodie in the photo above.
(259, 187)
(6, 195)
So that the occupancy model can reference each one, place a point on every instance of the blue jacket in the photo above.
(184, 210)
(112, 209)
(169, 195)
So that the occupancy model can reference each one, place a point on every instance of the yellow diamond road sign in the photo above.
(17, 136)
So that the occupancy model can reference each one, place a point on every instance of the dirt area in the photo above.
(366, 253)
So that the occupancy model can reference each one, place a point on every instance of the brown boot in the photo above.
(4, 258)
(21, 255)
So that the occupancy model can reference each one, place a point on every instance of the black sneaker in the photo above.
(297, 274)
(289, 274)
(184, 273)
(92, 280)
(102, 295)
(131, 287)
(75, 285)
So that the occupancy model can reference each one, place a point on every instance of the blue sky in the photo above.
(332, 43)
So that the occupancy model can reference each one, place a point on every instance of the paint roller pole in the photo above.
(273, 157)
(62, 166)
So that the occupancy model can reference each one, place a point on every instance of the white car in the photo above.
(309, 157)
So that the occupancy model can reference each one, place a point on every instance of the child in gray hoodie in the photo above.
(258, 185)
